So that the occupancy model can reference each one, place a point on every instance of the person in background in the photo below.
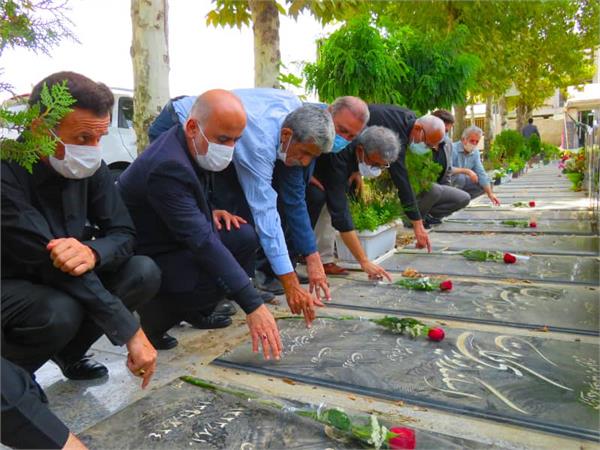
(530, 129)
(468, 173)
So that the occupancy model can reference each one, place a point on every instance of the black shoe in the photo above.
(84, 369)
(225, 309)
(433, 220)
(268, 284)
(303, 279)
(163, 342)
(210, 322)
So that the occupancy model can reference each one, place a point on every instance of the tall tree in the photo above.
(150, 57)
(264, 16)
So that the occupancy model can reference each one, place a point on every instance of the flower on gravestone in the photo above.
(404, 439)
(532, 224)
(509, 258)
(436, 334)
(446, 285)
(532, 204)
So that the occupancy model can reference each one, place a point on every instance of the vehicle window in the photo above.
(125, 112)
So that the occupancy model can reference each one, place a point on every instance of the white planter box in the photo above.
(375, 243)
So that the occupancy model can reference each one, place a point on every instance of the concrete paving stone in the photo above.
(535, 244)
(180, 415)
(484, 204)
(540, 383)
(567, 269)
(571, 309)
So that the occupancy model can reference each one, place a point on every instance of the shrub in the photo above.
(376, 211)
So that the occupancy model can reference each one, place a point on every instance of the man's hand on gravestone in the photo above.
(263, 330)
(141, 360)
(299, 300)
(71, 256)
(421, 235)
(316, 277)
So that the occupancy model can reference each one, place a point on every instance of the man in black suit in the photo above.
(168, 192)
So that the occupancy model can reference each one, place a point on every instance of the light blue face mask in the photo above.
(418, 148)
(339, 144)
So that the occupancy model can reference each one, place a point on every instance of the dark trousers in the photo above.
(463, 182)
(442, 200)
(40, 322)
(200, 295)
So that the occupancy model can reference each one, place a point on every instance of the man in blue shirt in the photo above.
(168, 192)
(468, 173)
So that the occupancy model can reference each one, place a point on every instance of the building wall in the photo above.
(550, 129)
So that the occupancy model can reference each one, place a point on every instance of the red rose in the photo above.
(533, 224)
(532, 203)
(510, 259)
(404, 439)
(446, 285)
(436, 334)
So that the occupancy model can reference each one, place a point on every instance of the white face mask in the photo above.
(282, 154)
(368, 171)
(80, 161)
(217, 157)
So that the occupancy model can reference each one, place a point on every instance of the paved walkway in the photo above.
(518, 367)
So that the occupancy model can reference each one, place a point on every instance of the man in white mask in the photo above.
(65, 283)
(468, 173)
(205, 254)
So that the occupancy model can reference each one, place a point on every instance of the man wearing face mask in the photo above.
(62, 286)
(350, 116)
(168, 192)
(267, 182)
(417, 135)
(374, 149)
(468, 173)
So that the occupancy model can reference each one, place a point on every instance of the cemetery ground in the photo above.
(518, 367)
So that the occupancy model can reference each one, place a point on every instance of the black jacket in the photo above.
(168, 196)
(42, 206)
(401, 121)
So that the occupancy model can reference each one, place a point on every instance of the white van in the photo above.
(119, 145)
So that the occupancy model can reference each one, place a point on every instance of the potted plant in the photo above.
(375, 220)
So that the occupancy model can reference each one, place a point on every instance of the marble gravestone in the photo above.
(558, 227)
(519, 214)
(535, 244)
(180, 415)
(544, 384)
(568, 269)
(570, 309)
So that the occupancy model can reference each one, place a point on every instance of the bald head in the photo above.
(217, 116)
(428, 129)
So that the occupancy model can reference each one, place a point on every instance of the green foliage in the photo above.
(35, 141)
(575, 169)
(535, 145)
(230, 13)
(439, 70)
(507, 145)
(402, 325)
(377, 211)
(356, 60)
(482, 255)
(34, 24)
(516, 223)
(550, 152)
(422, 170)
(417, 284)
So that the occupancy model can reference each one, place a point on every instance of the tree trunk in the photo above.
(460, 111)
(267, 58)
(150, 58)
(488, 131)
(503, 113)
(522, 111)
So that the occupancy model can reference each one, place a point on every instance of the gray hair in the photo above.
(310, 123)
(355, 105)
(380, 140)
(472, 130)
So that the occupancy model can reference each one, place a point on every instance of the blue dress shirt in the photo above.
(472, 161)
